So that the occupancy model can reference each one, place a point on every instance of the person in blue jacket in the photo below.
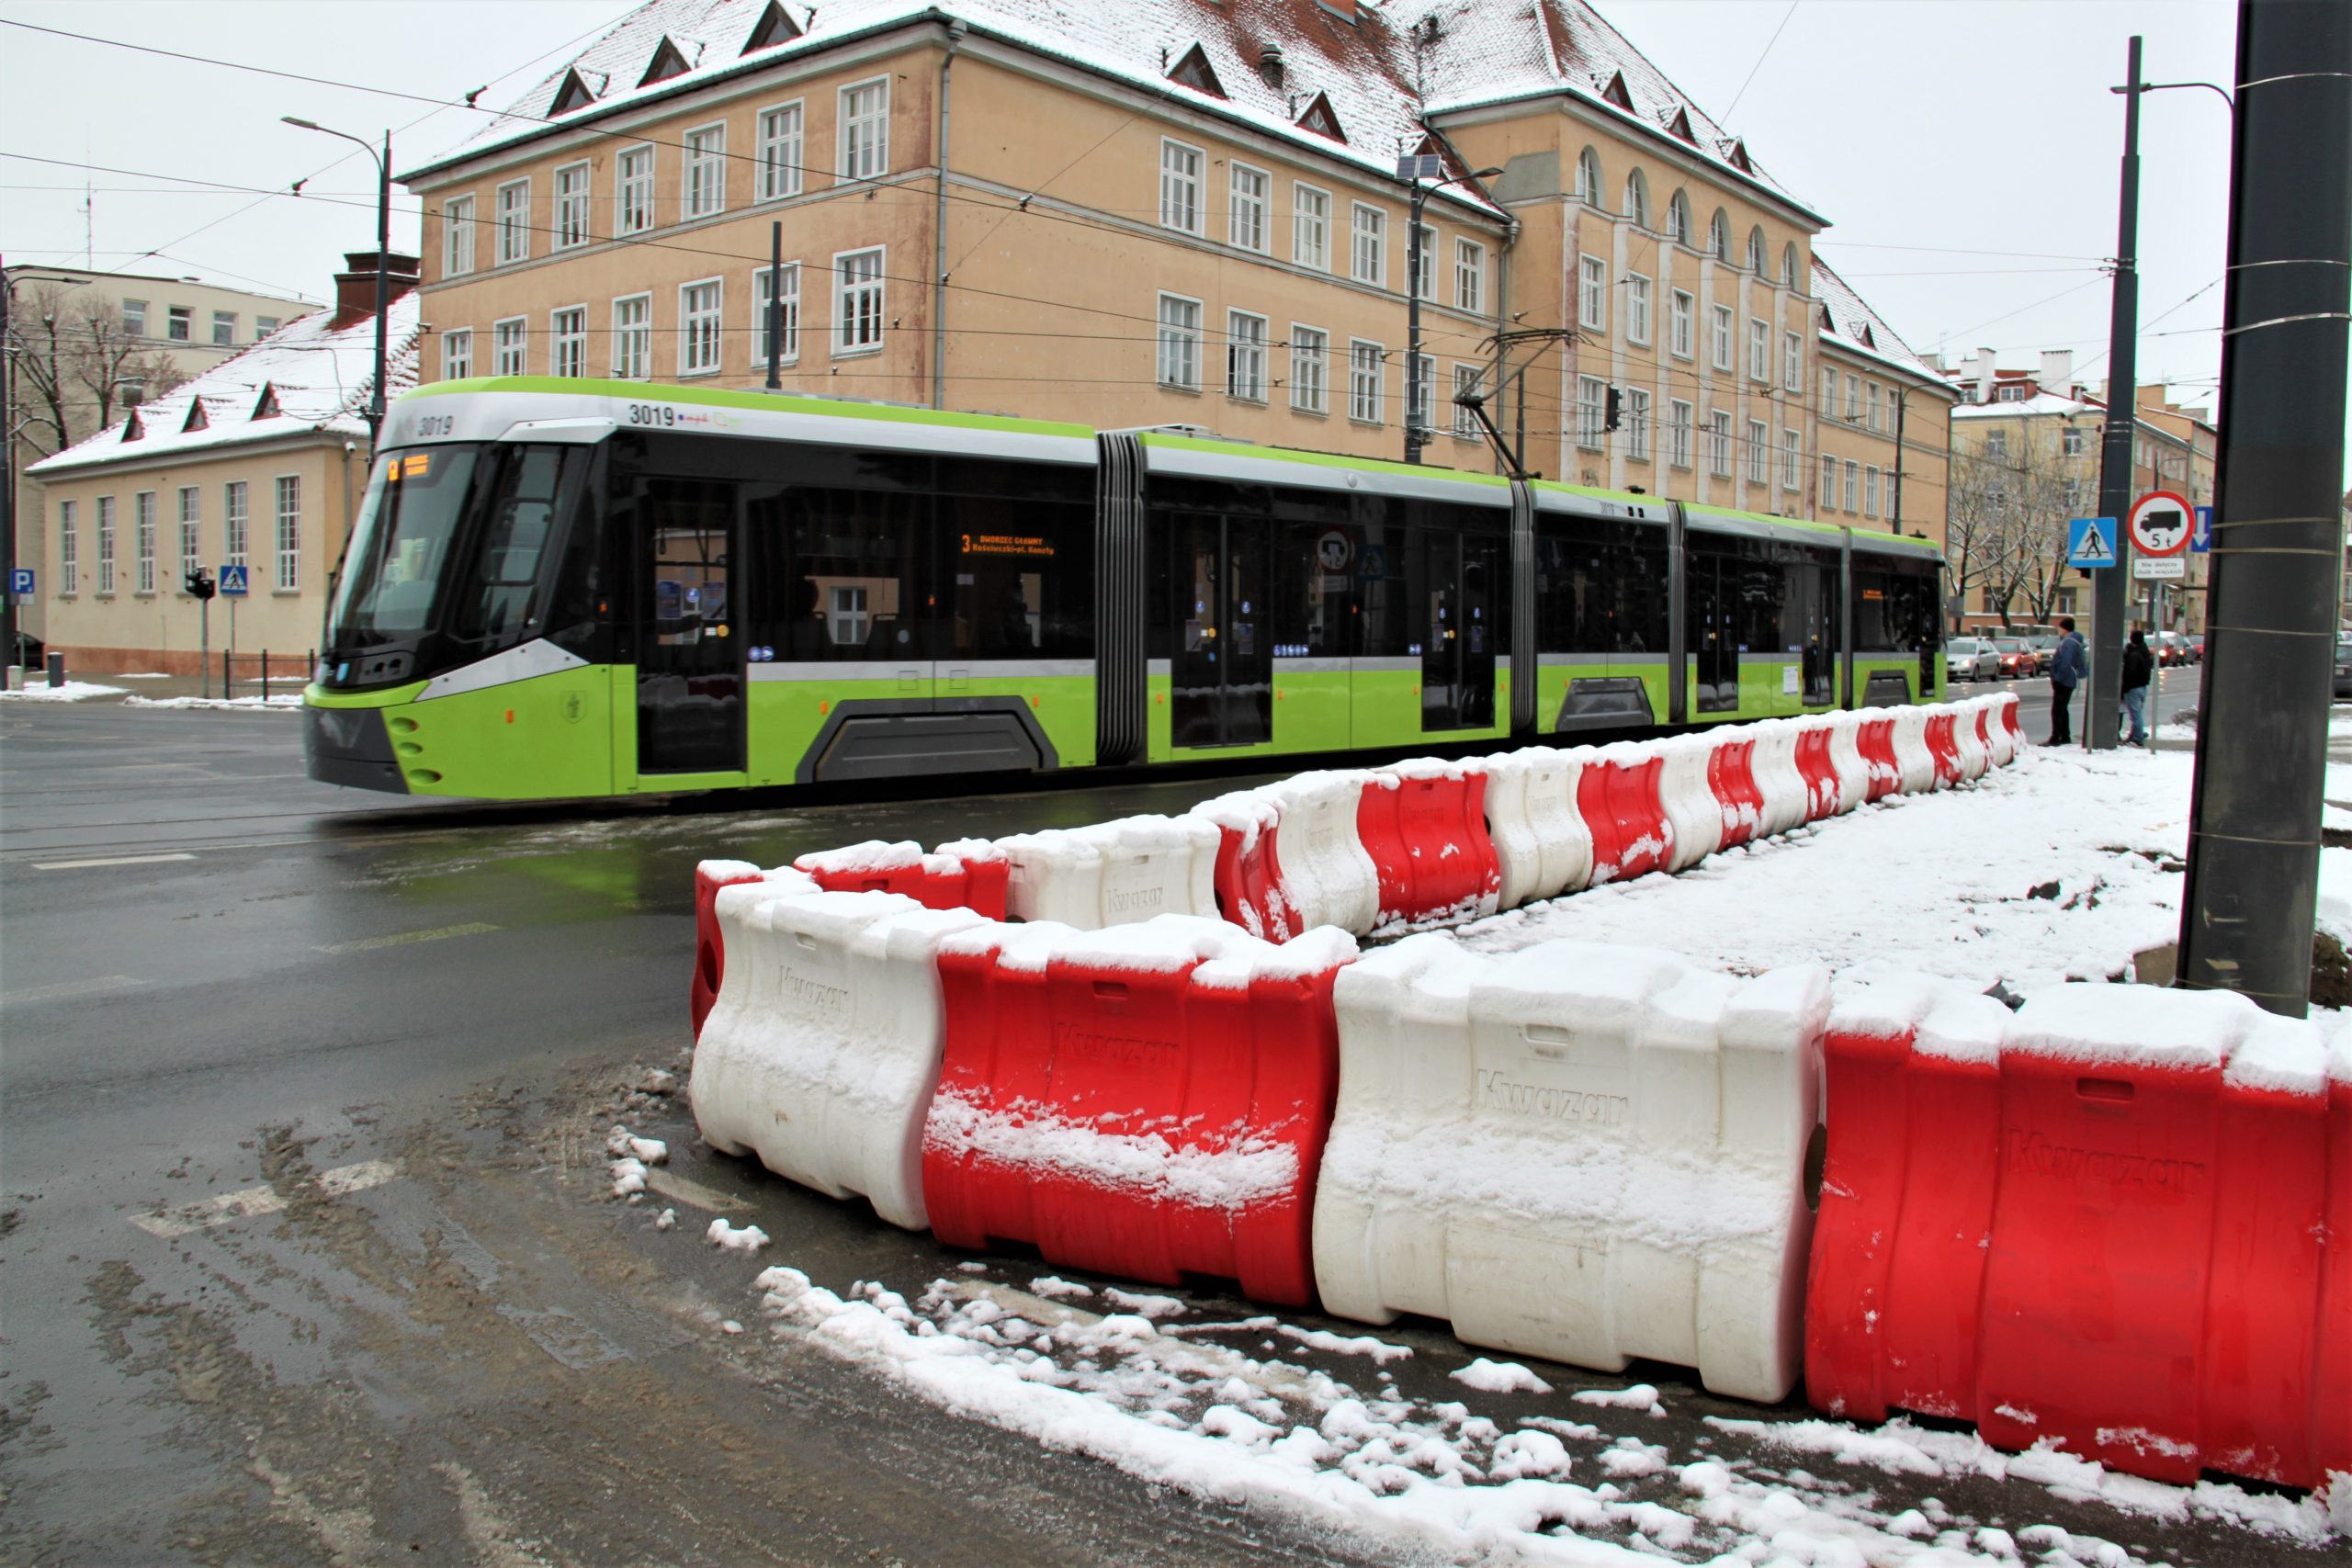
(2069, 668)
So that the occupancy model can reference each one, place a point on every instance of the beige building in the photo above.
(85, 346)
(1187, 213)
(258, 463)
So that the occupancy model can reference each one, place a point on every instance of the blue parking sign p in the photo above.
(21, 581)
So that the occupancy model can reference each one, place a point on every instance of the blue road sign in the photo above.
(2201, 542)
(232, 581)
(21, 581)
(2090, 543)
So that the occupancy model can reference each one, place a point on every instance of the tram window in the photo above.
(1815, 596)
(518, 517)
(1019, 565)
(855, 590)
(1894, 610)
(1711, 598)
(1572, 603)
(1410, 586)
(401, 543)
(1640, 587)
(688, 531)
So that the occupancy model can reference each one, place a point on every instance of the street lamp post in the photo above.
(383, 250)
(1423, 170)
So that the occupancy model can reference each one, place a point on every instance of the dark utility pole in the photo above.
(2245, 920)
(775, 305)
(383, 290)
(8, 649)
(2112, 589)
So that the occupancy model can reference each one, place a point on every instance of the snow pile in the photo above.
(71, 692)
(291, 702)
(727, 1237)
(1168, 1403)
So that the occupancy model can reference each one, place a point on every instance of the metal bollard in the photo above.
(56, 670)
(265, 677)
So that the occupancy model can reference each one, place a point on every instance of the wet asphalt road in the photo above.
(383, 1040)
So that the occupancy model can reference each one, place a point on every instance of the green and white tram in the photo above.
(559, 589)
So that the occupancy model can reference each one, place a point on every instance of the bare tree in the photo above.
(2011, 495)
(78, 367)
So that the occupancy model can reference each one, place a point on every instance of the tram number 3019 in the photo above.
(653, 413)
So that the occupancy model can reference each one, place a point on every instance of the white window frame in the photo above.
(633, 169)
(236, 518)
(633, 340)
(134, 318)
(864, 138)
(290, 533)
(1853, 482)
(1310, 226)
(861, 303)
(105, 547)
(1310, 369)
(572, 207)
(1592, 406)
(1177, 363)
(1592, 294)
(1828, 501)
(1719, 444)
(1759, 351)
(702, 183)
(1871, 415)
(1637, 310)
(1368, 244)
(1420, 393)
(702, 323)
(568, 340)
(1366, 363)
(1870, 489)
(143, 514)
(1423, 260)
(783, 148)
(761, 288)
(1759, 452)
(1637, 424)
(1791, 460)
(179, 323)
(1853, 399)
(1249, 194)
(1469, 276)
(1678, 433)
(69, 548)
(1683, 325)
(191, 528)
(2070, 442)
(1792, 362)
(1466, 379)
(457, 354)
(1245, 356)
(224, 328)
(510, 346)
(1828, 393)
(1721, 344)
(515, 221)
(1181, 164)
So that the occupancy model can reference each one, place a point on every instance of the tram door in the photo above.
(689, 657)
(1462, 580)
(1221, 670)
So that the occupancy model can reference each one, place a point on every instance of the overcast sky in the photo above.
(1965, 151)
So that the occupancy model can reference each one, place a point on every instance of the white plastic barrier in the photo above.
(1113, 873)
(1540, 837)
(1252, 817)
(1689, 799)
(1773, 766)
(1996, 725)
(1328, 879)
(822, 1050)
(1975, 757)
(1846, 755)
(1916, 763)
(1586, 1153)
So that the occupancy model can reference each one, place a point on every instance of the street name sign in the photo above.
(2162, 522)
(2090, 543)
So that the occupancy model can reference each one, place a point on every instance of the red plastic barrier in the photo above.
(1874, 739)
(710, 950)
(1819, 771)
(1944, 747)
(1249, 873)
(1617, 795)
(1731, 775)
(2009, 706)
(2332, 1387)
(2106, 1231)
(966, 875)
(1137, 1111)
(1427, 836)
(1985, 735)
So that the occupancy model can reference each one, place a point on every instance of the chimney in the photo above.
(355, 288)
(1270, 64)
(2057, 371)
(1981, 376)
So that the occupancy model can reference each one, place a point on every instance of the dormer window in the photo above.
(265, 406)
(1321, 119)
(196, 418)
(1617, 93)
(1679, 125)
(1737, 156)
(668, 61)
(776, 27)
(574, 95)
(1194, 70)
(133, 427)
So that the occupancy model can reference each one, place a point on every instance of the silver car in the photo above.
(1972, 659)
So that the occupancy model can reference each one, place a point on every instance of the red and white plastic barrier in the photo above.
(1328, 877)
(1846, 759)
(1913, 759)
(1687, 793)
(1787, 801)
(1618, 795)
(710, 943)
(1149, 1101)
(1246, 874)
(1424, 824)
(1586, 1153)
(1731, 773)
(967, 874)
(1542, 845)
(1112, 873)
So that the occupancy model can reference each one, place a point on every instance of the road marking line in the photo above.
(709, 1199)
(71, 989)
(111, 860)
(336, 1183)
(472, 928)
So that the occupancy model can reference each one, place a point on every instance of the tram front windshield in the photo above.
(400, 547)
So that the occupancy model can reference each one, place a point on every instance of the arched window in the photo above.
(1589, 176)
(1756, 251)
(1719, 237)
(1789, 267)
(1637, 199)
(1678, 218)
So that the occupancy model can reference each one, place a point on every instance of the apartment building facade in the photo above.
(1183, 212)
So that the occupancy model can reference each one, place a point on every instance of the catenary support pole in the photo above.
(2111, 588)
(9, 652)
(2246, 919)
(775, 305)
(383, 295)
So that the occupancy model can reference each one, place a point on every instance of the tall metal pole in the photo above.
(775, 305)
(9, 653)
(383, 290)
(2245, 919)
(1413, 318)
(2112, 589)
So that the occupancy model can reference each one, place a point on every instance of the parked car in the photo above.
(2173, 648)
(2045, 649)
(2197, 649)
(2017, 658)
(2344, 667)
(1972, 659)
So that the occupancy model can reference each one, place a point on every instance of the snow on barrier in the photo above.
(1993, 723)
(1731, 773)
(1424, 823)
(1779, 783)
(1149, 1101)
(1543, 848)
(1689, 796)
(1975, 752)
(1113, 873)
(2113, 1221)
(1246, 874)
(822, 1050)
(1913, 760)
(711, 946)
(1943, 747)
(1585, 1152)
(966, 875)
(1617, 795)
(1328, 879)
(1874, 739)
(1815, 767)
(1846, 760)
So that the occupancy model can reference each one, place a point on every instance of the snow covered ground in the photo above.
(71, 692)
(289, 702)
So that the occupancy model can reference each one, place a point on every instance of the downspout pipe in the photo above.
(955, 31)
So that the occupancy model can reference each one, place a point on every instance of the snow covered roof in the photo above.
(308, 375)
(2039, 404)
(1845, 320)
(1463, 53)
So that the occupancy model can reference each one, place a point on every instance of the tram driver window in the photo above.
(519, 523)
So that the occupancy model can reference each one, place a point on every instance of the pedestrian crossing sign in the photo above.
(2090, 543)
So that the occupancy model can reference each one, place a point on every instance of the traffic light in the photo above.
(1609, 423)
(200, 584)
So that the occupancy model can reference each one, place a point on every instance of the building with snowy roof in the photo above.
(1145, 212)
(258, 463)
